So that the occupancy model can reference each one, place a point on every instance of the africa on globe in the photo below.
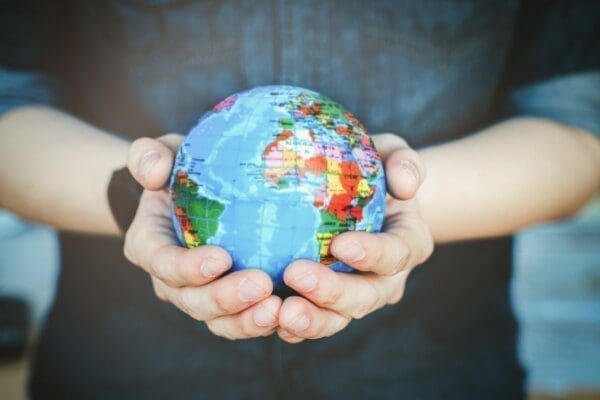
(273, 174)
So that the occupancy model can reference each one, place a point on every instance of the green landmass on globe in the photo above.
(205, 211)
(274, 174)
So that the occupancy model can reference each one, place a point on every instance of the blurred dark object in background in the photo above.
(14, 328)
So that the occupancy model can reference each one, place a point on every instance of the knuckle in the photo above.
(171, 135)
(377, 256)
(373, 299)
(138, 243)
(219, 301)
(129, 245)
(362, 310)
(162, 265)
(388, 137)
(393, 270)
(187, 268)
(403, 260)
(158, 292)
(410, 154)
(142, 144)
(127, 251)
(395, 259)
(395, 139)
(428, 251)
(430, 242)
(328, 329)
(246, 330)
(366, 308)
(334, 325)
(141, 238)
(187, 304)
(154, 266)
(402, 142)
(428, 245)
(330, 297)
(212, 328)
(215, 328)
(397, 291)
(314, 332)
(396, 296)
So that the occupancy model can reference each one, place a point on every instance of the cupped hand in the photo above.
(384, 260)
(236, 306)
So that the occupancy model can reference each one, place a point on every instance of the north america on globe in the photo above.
(274, 174)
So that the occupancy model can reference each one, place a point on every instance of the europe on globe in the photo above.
(273, 174)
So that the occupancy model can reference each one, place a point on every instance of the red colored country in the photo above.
(316, 165)
(350, 177)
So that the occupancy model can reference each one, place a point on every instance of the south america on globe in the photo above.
(273, 174)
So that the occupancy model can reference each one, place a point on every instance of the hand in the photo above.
(332, 299)
(238, 305)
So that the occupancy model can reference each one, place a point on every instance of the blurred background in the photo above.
(555, 291)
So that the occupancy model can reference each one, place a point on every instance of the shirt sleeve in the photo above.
(21, 88)
(554, 69)
(25, 78)
(571, 99)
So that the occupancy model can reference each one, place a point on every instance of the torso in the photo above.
(428, 71)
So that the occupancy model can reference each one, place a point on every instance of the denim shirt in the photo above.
(428, 71)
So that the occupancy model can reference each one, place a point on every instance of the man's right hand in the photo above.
(236, 306)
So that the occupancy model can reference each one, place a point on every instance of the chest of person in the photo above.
(425, 70)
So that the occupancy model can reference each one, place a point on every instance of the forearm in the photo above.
(507, 177)
(55, 169)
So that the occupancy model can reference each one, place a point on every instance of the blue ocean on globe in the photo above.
(274, 174)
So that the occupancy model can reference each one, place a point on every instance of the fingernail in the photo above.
(249, 290)
(305, 281)
(411, 169)
(352, 252)
(148, 161)
(263, 316)
(211, 267)
(299, 323)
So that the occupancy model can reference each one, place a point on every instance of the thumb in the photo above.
(150, 161)
(403, 166)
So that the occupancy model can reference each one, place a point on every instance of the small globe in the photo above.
(273, 174)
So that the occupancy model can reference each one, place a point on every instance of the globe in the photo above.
(274, 174)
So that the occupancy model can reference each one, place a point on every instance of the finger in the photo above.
(305, 320)
(404, 173)
(288, 337)
(158, 289)
(225, 296)
(351, 295)
(171, 140)
(386, 143)
(259, 320)
(150, 160)
(150, 244)
(178, 266)
(404, 169)
(382, 253)
(410, 228)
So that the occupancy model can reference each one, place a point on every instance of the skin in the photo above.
(473, 188)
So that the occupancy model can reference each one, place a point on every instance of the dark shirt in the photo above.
(428, 71)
